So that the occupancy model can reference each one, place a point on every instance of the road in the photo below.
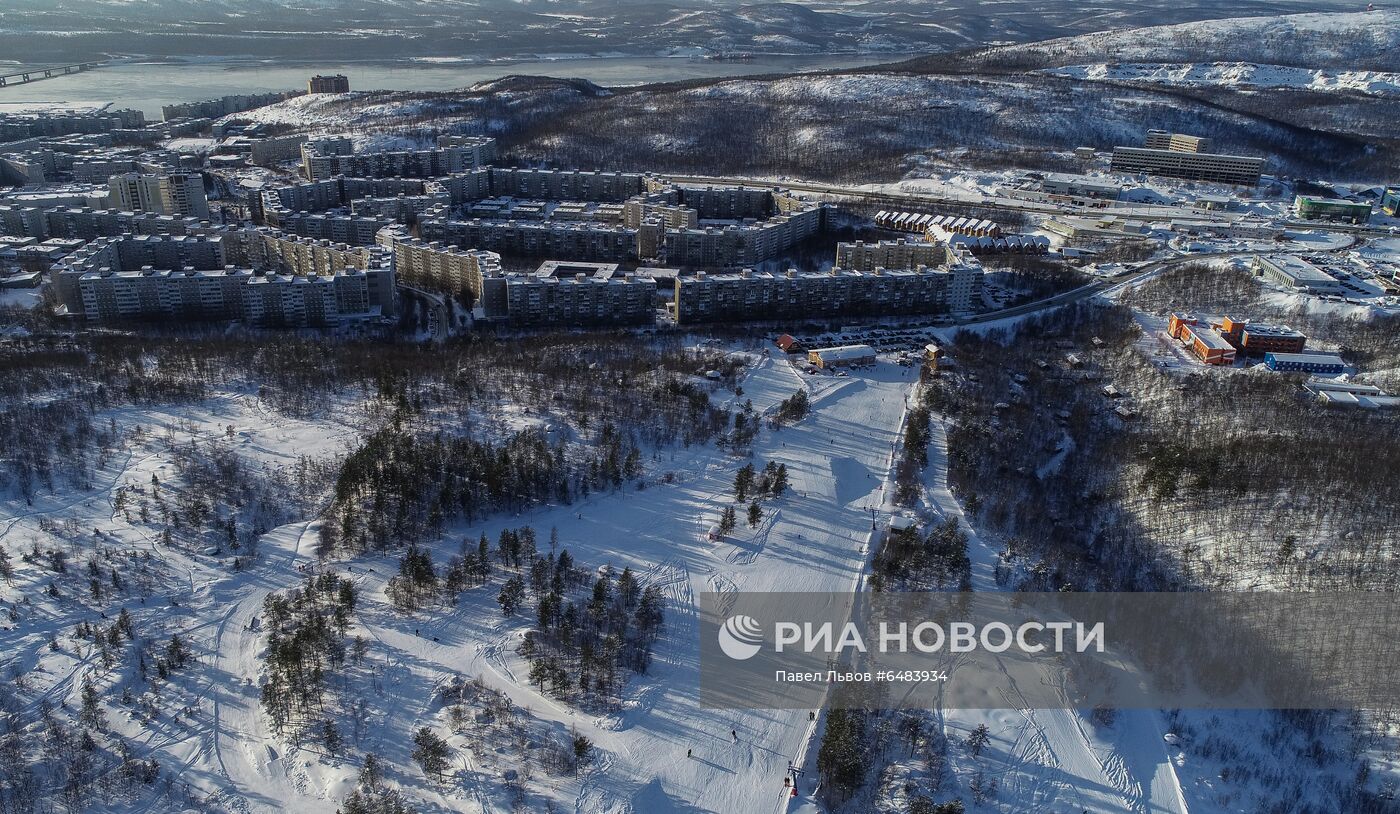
(439, 320)
(896, 199)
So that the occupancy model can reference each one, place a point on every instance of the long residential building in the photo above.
(752, 295)
(183, 279)
(327, 158)
(1235, 170)
(224, 105)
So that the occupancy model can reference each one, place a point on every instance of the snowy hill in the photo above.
(1349, 40)
(1237, 75)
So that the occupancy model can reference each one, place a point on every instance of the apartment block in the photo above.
(186, 279)
(268, 151)
(889, 254)
(441, 266)
(582, 241)
(327, 158)
(224, 105)
(594, 299)
(1177, 142)
(335, 83)
(165, 194)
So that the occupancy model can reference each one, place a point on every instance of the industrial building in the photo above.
(1297, 273)
(1076, 230)
(1332, 209)
(1235, 170)
(1080, 186)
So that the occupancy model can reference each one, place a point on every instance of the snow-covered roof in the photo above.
(841, 352)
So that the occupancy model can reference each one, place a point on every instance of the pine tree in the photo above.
(330, 736)
(978, 739)
(743, 481)
(431, 753)
(627, 588)
(91, 715)
(727, 520)
(371, 775)
(511, 595)
(176, 653)
(755, 514)
(7, 569)
(780, 480)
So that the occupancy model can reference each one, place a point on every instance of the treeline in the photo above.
(402, 485)
(935, 560)
(56, 385)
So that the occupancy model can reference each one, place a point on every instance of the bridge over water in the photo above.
(24, 77)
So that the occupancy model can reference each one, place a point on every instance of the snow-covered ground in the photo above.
(814, 538)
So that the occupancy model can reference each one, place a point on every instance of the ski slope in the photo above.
(213, 739)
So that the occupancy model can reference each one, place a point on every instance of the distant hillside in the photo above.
(1350, 40)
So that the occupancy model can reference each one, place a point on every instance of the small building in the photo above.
(21, 279)
(1326, 364)
(842, 356)
(787, 343)
(1080, 186)
(934, 356)
(1216, 202)
(1350, 394)
(1390, 201)
(1309, 208)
